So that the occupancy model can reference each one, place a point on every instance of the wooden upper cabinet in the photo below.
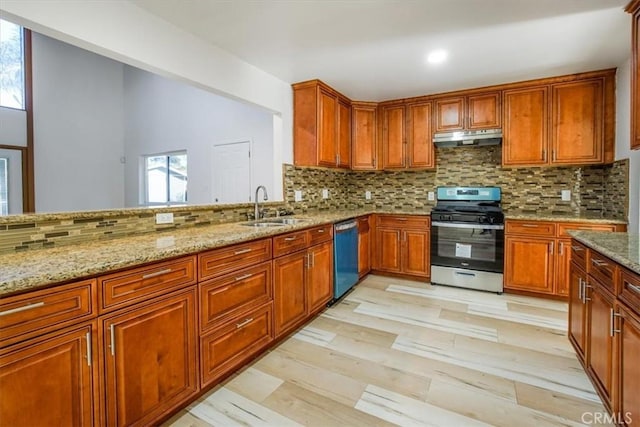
(634, 9)
(421, 150)
(481, 111)
(577, 122)
(321, 126)
(393, 138)
(364, 146)
(525, 131)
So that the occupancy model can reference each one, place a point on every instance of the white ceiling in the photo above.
(374, 49)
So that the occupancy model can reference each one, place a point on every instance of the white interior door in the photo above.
(10, 181)
(232, 172)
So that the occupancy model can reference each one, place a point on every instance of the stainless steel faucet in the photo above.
(256, 212)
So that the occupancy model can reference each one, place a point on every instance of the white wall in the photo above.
(163, 115)
(14, 127)
(78, 128)
(121, 30)
(623, 135)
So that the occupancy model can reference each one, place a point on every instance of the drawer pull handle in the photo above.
(400, 219)
(529, 225)
(157, 273)
(89, 356)
(245, 323)
(23, 308)
(320, 231)
(633, 287)
(112, 344)
(580, 289)
(577, 248)
(244, 276)
(290, 239)
(551, 248)
(584, 292)
(599, 263)
(612, 323)
(561, 248)
(242, 251)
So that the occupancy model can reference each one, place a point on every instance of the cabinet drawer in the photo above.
(219, 262)
(139, 284)
(629, 289)
(229, 296)
(579, 254)
(35, 313)
(533, 228)
(603, 269)
(320, 234)
(231, 345)
(290, 242)
(402, 221)
(563, 228)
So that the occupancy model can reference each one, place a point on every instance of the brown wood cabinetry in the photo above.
(322, 126)
(402, 245)
(538, 255)
(477, 111)
(364, 246)
(607, 335)
(364, 144)
(51, 380)
(150, 359)
(219, 262)
(393, 136)
(421, 151)
(525, 131)
(634, 8)
(289, 292)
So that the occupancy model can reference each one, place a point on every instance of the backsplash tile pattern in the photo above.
(595, 190)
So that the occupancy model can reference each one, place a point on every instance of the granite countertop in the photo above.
(623, 248)
(562, 217)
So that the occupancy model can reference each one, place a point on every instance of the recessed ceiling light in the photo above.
(437, 56)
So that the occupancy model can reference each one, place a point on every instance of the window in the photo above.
(12, 77)
(4, 187)
(166, 178)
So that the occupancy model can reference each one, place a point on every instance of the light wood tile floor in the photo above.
(396, 352)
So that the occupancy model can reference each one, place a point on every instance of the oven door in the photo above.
(467, 245)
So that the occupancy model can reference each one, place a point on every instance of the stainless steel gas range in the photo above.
(467, 238)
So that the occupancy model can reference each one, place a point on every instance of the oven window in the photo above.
(467, 243)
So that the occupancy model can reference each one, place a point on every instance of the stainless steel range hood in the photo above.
(468, 138)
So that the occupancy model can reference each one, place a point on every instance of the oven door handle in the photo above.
(460, 225)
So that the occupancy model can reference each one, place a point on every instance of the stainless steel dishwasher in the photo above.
(345, 260)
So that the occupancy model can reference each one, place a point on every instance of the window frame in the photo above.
(144, 175)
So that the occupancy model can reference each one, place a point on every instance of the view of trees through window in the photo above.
(11, 65)
(166, 178)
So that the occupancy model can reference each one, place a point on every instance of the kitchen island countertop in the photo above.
(624, 248)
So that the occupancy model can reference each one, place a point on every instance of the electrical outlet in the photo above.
(431, 195)
(566, 195)
(325, 194)
(367, 195)
(297, 196)
(164, 218)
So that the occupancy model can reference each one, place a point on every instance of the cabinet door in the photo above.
(319, 276)
(629, 369)
(577, 118)
(344, 134)
(150, 360)
(364, 246)
(563, 264)
(484, 111)
(449, 114)
(327, 129)
(363, 142)
(50, 380)
(289, 291)
(393, 147)
(420, 139)
(388, 249)
(529, 264)
(416, 253)
(600, 352)
(525, 130)
(577, 311)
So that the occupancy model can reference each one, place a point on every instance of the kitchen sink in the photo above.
(274, 222)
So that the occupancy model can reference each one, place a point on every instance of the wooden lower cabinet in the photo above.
(388, 249)
(577, 311)
(150, 359)
(364, 246)
(51, 380)
(402, 245)
(229, 346)
(600, 306)
(529, 264)
(319, 276)
(628, 372)
(289, 291)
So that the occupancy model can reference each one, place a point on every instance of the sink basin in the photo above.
(274, 222)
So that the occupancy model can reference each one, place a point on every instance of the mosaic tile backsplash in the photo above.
(600, 191)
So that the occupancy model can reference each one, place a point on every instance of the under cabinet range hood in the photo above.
(468, 138)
